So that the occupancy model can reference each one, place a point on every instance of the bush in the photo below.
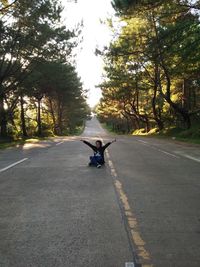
(190, 133)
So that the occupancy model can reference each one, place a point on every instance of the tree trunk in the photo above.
(146, 120)
(53, 117)
(183, 112)
(167, 95)
(3, 119)
(184, 94)
(156, 113)
(60, 116)
(157, 119)
(194, 99)
(22, 115)
(39, 132)
(128, 128)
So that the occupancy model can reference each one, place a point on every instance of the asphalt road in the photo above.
(140, 209)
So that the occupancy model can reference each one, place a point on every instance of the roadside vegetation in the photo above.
(152, 69)
(41, 93)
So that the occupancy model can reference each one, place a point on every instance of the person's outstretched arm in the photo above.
(109, 143)
(88, 144)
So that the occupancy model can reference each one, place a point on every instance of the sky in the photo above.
(95, 34)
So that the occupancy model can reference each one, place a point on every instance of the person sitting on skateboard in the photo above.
(98, 158)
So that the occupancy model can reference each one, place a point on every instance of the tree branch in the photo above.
(8, 6)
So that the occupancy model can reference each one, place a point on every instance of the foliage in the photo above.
(152, 66)
(40, 91)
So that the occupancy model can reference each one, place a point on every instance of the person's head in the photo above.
(98, 143)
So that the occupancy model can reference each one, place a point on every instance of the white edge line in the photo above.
(160, 150)
(167, 153)
(141, 141)
(59, 143)
(12, 165)
(190, 157)
(129, 264)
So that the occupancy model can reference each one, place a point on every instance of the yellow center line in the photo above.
(139, 243)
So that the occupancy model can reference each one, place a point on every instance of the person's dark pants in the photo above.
(96, 160)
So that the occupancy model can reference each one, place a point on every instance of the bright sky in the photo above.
(95, 34)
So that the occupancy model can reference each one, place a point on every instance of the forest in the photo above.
(152, 68)
(41, 93)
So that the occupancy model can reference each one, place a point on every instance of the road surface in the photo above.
(140, 209)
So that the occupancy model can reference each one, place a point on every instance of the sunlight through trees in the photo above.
(40, 91)
(152, 67)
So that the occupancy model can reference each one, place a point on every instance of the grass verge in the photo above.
(79, 130)
(191, 135)
(109, 128)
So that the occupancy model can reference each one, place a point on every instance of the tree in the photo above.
(5, 5)
(57, 92)
(33, 33)
(157, 48)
